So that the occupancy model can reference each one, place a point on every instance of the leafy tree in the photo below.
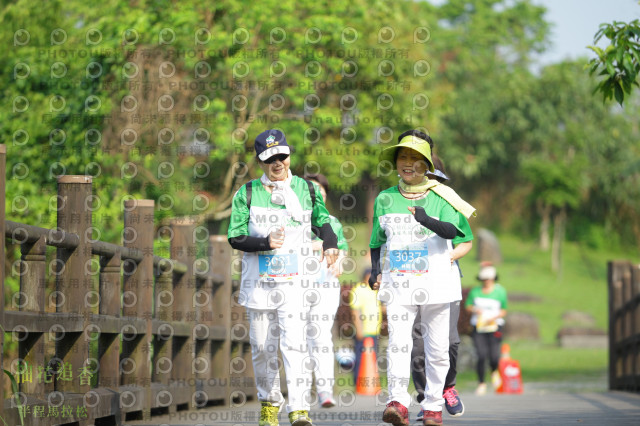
(350, 81)
(67, 82)
(161, 100)
(570, 155)
(619, 62)
(486, 63)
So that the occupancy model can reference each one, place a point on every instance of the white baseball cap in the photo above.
(487, 273)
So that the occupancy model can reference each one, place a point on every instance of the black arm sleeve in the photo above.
(326, 234)
(375, 266)
(445, 230)
(250, 244)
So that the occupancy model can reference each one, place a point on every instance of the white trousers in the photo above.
(435, 320)
(320, 336)
(284, 327)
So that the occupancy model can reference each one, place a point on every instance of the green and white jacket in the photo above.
(415, 262)
(269, 277)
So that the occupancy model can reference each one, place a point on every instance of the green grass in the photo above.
(551, 362)
(581, 285)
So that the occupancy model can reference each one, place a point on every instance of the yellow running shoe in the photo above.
(268, 414)
(299, 418)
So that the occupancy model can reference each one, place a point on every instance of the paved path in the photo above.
(530, 408)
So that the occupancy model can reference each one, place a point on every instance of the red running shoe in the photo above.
(396, 414)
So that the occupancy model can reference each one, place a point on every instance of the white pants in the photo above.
(435, 320)
(284, 327)
(320, 336)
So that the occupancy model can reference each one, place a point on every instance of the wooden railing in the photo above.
(132, 334)
(624, 326)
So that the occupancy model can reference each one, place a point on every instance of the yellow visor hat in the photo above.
(411, 142)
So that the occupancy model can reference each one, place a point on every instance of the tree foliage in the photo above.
(162, 99)
(619, 62)
(487, 64)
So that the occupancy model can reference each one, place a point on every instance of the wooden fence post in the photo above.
(109, 343)
(220, 256)
(611, 280)
(162, 363)
(202, 332)
(624, 325)
(32, 289)
(138, 295)
(183, 250)
(72, 285)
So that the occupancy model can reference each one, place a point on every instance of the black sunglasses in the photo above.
(273, 158)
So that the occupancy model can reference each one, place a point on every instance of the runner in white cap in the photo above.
(272, 221)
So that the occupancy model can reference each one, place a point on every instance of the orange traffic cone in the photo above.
(368, 382)
(510, 375)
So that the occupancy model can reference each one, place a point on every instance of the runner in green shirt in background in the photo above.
(488, 307)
